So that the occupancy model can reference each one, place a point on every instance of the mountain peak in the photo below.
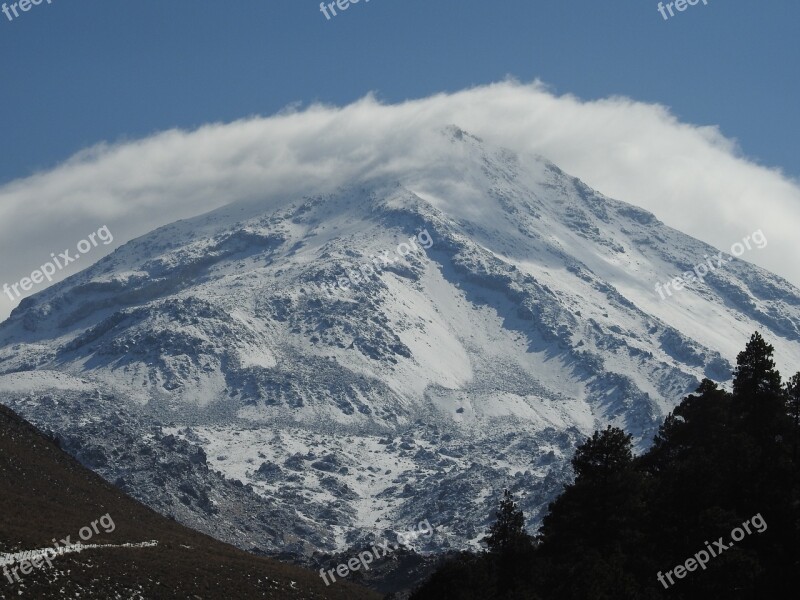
(484, 304)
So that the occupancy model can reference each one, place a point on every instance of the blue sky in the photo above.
(77, 73)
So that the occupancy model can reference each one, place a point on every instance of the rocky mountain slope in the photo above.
(118, 548)
(400, 349)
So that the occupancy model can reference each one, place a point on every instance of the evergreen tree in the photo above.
(717, 460)
(693, 443)
(755, 373)
(793, 410)
(507, 534)
(604, 454)
(510, 551)
(762, 423)
(588, 534)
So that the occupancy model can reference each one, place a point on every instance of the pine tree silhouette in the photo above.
(508, 534)
(793, 406)
(755, 372)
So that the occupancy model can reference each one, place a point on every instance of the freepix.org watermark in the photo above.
(26, 562)
(380, 262)
(680, 6)
(701, 558)
(342, 5)
(48, 269)
(701, 270)
(364, 559)
(22, 6)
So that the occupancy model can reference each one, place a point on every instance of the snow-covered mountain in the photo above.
(396, 350)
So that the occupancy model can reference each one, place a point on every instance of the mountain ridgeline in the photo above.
(302, 374)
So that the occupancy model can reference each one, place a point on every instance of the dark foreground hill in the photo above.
(45, 496)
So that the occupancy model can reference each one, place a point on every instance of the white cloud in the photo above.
(691, 177)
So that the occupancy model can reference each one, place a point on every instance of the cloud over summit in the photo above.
(691, 177)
